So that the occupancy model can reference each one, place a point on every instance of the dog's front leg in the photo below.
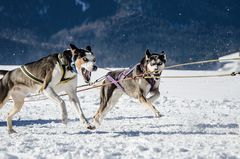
(50, 93)
(149, 105)
(73, 99)
(155, 96)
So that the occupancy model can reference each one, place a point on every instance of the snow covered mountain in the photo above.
(119, 30)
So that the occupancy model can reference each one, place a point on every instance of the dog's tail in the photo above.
(4, 89)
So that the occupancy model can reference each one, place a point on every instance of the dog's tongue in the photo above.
(86, 75)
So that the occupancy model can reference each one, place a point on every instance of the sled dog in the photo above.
(151, 65)
(49, 75)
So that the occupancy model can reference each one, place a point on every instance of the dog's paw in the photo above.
(158, 115)
(91, 127)
(65, 121)
(11, 131)
(96, 122)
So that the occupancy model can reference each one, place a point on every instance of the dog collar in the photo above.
(73, 66)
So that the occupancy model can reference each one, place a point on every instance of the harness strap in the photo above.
(121, 76)
(126, 72)
(65, 80)
(63, 71)
(30, 75)
(112, 80)
(63, 68)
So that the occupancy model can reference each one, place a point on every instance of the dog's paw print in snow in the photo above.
(96, 103)
(142, 148)
(238, 122)
(226, 101)
(164, 99)
(6, 155)
(183, 150)
(81, 97)
(156, 150)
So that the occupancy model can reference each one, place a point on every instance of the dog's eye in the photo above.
(85, 59)
(160, 63)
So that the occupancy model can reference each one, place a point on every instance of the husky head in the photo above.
(153, 62)
(84, 61)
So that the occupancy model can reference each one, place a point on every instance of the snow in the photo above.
(230, 65)
(201, 120)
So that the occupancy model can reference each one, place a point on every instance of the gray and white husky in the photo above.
(151, 65)
(49, 75)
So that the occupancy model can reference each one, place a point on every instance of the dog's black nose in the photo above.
(94, 68)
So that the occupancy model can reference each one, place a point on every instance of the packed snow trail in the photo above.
(201, 120)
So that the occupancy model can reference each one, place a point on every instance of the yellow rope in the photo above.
(201, 62)
(196, 76)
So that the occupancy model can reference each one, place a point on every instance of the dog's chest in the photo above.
(156, 84)
(67, 85)
(148, 85)
(69, 74)
(145, 86)
(56, 75)
(59, 73)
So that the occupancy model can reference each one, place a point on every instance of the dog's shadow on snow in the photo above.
(200, 130)
(180, 129)
(130, 118)
(33, 122)
(147, 133)
(21, 122)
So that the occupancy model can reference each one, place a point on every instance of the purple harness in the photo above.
(121, 76)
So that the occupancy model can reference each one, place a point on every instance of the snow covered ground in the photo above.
(201, 120)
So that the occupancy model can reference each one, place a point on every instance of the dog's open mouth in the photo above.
(157, 73)
(86, 75)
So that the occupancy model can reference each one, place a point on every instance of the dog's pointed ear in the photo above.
(163, 56)
(147, 54)
(73, 48)
(88, 48)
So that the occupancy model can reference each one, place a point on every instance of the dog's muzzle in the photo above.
(157, 72)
